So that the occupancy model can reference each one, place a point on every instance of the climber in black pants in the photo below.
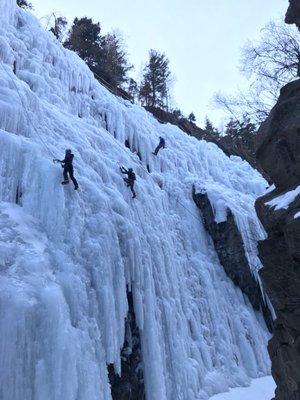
(161, 145)
(130, 179)
(67, 165)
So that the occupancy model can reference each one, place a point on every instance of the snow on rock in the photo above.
(237, 193)
(67, 257)
(284, 200)
(270, 189)
(297, 215)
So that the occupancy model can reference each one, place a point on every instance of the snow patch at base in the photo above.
(260, 389)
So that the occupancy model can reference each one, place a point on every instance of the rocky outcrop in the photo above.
(130, 385)
(279, 154)
(293, 13)
(229, 246)
(280, 255)
(279, 148)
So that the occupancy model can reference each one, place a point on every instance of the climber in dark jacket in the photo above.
(67, 165)
(161, 145)
(130, 179)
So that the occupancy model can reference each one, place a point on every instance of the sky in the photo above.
(201, 38)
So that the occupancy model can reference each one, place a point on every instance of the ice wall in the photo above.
(66, 257)
(7, 11)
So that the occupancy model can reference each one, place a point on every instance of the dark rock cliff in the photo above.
(279, 149)
(229, 246)
(130, 385)
(279, 154)
(293, 13)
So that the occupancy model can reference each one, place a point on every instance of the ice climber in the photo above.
(67, 165)
(161, 145)
(130, 179)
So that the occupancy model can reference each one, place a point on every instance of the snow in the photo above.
(297, 215)
(284, 200)
(261, 389)
(67, 257)
(270, 189)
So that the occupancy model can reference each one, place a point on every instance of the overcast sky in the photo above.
(202, 38)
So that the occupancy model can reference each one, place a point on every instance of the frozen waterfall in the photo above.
(67, 257)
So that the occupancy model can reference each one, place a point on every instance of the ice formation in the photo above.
(67, 257)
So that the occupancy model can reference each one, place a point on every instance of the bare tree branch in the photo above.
(268, 65)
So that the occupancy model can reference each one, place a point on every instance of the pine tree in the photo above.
(210, 128)
(59, 27)
(177, 113)
(145, 94)
(112, 64)
(241, 135)
(232, 128)
(240, 129)
(133, 90)
(84, 39)
(192, 117)
(24, 4)
(105, 55)
(156, 77)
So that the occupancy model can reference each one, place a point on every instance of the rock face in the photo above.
(130, 385)
(279, 149)
(293, 13)
(279, 154)
(280, 255)
(230, 249)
